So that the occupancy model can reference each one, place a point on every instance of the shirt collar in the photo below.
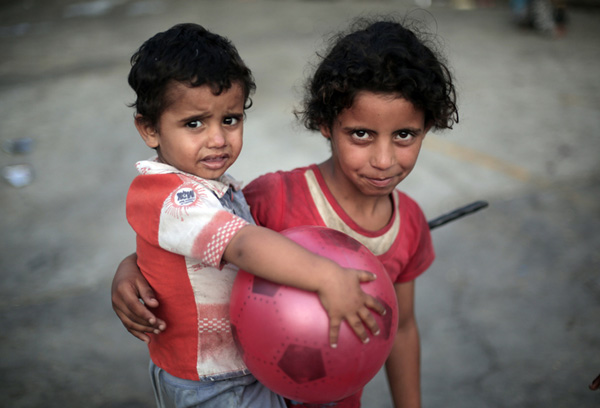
(219, 186)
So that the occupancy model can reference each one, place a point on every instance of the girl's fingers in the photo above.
(137, 330)
(140, 335)
(131, 324)
(147, 295)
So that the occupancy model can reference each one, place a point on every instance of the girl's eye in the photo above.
(231, 121)
(194, 124)
(405, 136)
(360, 134)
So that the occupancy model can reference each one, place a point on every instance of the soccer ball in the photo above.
(283, 332)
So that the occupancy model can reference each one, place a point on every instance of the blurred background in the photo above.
(509, 312)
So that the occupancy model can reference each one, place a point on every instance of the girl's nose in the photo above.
(383, 156)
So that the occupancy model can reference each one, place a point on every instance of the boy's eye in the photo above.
(230, 121)
(194, 124)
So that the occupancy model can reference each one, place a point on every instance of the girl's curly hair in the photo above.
(380, 57)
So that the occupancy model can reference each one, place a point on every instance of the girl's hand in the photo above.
(343, 299)
(129, 287)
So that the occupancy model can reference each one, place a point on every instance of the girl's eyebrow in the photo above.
(355, 128)
(404, 129)
(411, 129)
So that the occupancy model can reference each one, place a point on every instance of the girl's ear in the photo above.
(428, 127)
(325, 131)
(147, 131)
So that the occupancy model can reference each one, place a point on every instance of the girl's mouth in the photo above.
(380, 182)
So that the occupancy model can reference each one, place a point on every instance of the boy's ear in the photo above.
(147, 131)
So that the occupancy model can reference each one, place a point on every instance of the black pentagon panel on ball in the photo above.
(342, 240)
(262, 286)
(302, 364)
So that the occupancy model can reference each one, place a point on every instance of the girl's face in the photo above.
(199, 132)
(375, 144)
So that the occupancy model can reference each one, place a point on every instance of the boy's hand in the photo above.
(343, 299)
(128, 288)
(274, 257)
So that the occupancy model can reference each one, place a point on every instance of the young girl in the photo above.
(374, 96)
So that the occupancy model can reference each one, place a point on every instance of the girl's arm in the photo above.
(129, 287)
(403, 364)
(274, 257)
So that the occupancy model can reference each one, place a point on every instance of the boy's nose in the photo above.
(217, 138)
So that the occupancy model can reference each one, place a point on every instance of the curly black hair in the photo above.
(190, 54)
(381, 57)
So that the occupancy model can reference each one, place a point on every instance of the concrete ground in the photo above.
(509, 312)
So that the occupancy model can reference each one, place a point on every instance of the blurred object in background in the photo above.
(18, 175)
(546, 16)
(595, 384)
(22, 145)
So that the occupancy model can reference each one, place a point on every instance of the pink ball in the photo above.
(283, 332)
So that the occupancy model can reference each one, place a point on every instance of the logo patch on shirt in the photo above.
(182, 200)
(184, 196)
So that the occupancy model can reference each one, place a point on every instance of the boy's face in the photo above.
(199, 132)
(375, 144)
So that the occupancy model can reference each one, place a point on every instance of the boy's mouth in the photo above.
(215, 162)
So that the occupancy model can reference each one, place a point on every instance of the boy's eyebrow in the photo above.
(195, 116)
(204, 115)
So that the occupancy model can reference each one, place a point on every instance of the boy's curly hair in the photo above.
(190, 54)
(379, 57)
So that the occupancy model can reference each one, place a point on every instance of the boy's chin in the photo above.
(209, 175)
